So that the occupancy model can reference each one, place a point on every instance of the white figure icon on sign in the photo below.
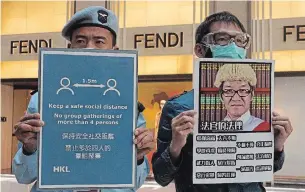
(112, 88)
(66, 86)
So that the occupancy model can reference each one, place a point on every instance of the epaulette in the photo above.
(176, 96)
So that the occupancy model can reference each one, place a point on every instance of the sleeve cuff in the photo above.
(21, 158)
(144, 165)
(139, 162)
(27, 153)
(166, 155)
(278, 155)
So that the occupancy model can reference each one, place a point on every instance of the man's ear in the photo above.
(199, 50)
(115, 47)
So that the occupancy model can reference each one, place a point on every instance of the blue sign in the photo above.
(88, 102)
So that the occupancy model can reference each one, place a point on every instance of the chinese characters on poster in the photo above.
(233, 139)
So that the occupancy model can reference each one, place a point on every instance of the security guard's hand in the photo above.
(282, 129)
(144, 140)
(26, 131)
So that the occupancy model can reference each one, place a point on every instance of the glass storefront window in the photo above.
(292, 9)
(161, 65)
(19, 69)
(157, 13)
(151, 93)
(20, 17)
(289, 60)
(148, 65)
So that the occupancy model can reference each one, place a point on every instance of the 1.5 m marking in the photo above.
(89, 81)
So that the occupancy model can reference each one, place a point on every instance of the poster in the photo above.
(88, 101)
(233, 138)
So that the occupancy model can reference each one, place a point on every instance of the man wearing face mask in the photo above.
(221, 35)
(91, 28)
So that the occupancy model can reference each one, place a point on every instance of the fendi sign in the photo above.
(157, 40)
(297, 30)
(29, 46)
(26, 46)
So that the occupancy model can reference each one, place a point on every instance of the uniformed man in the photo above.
(95, 28)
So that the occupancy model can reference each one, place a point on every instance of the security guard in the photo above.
(96, 28)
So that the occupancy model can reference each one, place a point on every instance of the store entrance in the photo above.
(153, 93)
(14, 102)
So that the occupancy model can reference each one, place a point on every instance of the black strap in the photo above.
(33, 92)
(141, 107)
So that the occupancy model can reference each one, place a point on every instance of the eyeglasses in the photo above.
(225, 37)
(240, 92)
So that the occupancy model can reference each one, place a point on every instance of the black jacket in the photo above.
(165, 171)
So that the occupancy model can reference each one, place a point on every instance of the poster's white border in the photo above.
(196, 79)
(87, 53)
(196, 105)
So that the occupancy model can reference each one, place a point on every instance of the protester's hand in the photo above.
(182, 125)
(144, 140)
(282, 130)
(26, 131)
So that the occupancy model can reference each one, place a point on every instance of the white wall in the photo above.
(289, 101)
